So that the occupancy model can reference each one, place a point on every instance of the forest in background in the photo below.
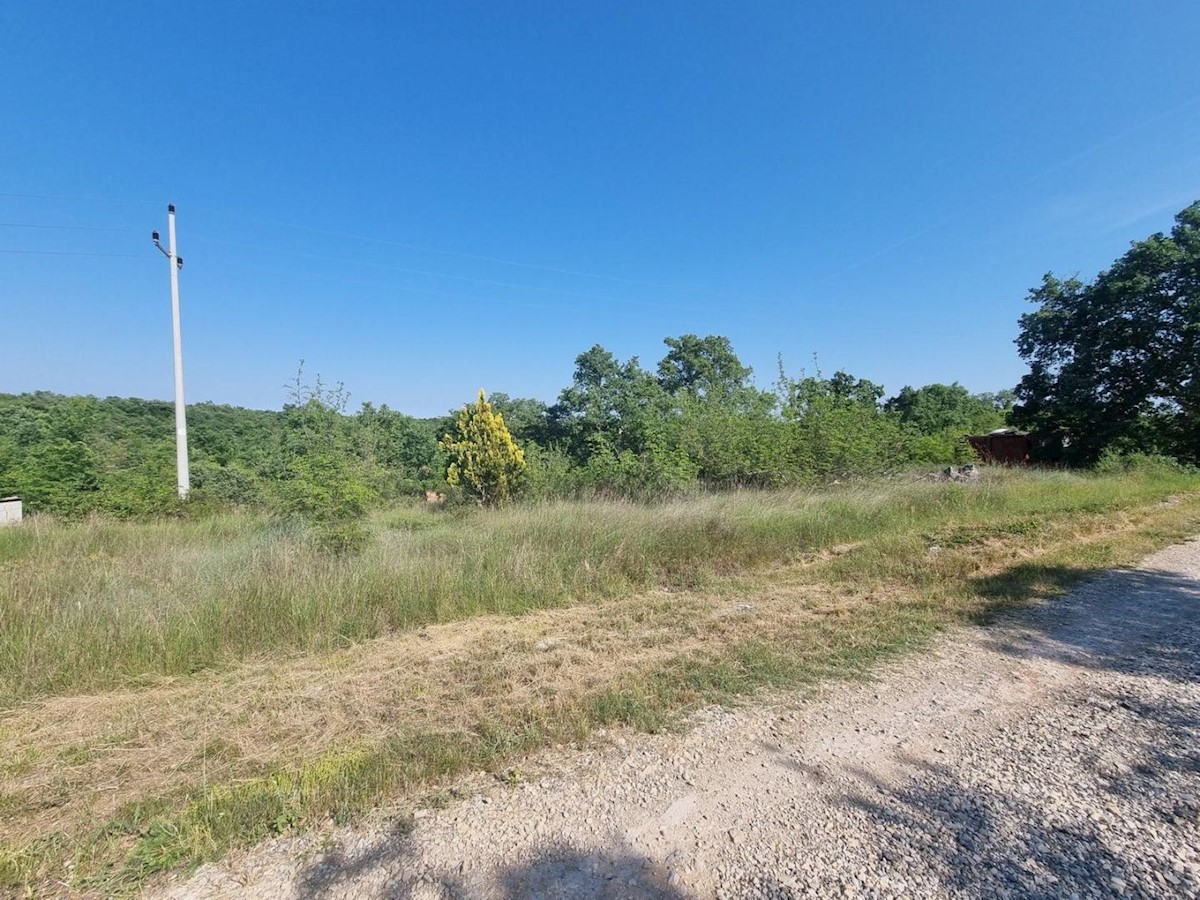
(1114, 372)
(696, 421)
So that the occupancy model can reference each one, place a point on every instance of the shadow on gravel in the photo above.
(1134, 739)
(390, 869)
(1132, 621)
(565, 872)
(978, 842)
(334, 869)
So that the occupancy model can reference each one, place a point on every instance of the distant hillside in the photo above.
(75, 454)
(696, 421)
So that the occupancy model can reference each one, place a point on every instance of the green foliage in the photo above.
(322, 485)
(694, 422)
(524, 417)
(549, 472)
(838, 428)
(737, 448)
(484, 458)
(947, 446)
(76, 455)
(940, 416)
(937, 408)
(144, 483)
(702, 368)
(322, 481)
(610, 405)
(655, 471)
(400, 454)
(1115, 362)
(46, 457)
(226, 485)
(1115, 462)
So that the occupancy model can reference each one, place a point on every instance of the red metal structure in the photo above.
(1005, 447)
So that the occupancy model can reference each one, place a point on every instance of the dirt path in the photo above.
(1055, 754)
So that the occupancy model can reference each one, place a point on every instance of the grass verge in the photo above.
(179, 770)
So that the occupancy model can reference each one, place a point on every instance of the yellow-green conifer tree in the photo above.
(484, 458)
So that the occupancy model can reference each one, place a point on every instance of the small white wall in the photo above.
(10, 512)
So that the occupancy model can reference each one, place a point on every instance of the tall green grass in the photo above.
(97, 604)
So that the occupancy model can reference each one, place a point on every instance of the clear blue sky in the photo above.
(426, 199)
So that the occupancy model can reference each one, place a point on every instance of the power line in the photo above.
(68, 227)
(418, 291)
(73, 253)
(936, 224)
(489, 282)
(427, 272)
(402, 244)
(490, 259)
(410, 246)
(999, 193)
(423, 248)
(660, 313)
(70, 199)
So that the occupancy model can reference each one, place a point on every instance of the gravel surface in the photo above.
(1052, 755)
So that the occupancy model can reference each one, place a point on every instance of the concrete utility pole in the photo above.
(175, 263)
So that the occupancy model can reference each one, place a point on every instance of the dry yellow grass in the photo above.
(94, 754)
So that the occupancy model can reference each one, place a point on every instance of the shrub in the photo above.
(484, 459)
(1114, 462)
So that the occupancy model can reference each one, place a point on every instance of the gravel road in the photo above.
(1055, 754)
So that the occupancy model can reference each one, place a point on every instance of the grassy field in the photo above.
(169, 690)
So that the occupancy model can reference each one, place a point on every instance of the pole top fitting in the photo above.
(170, 207)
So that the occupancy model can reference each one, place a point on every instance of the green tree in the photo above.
(1002, 400)
(736, 447)
(940, 416)
(838, 427)
(705, 368)
(1115, 362)
(935, 408)
(611, 406)
(50, 460)
(842, 390)
(322, 480)
(484, 458)
(398, 453)
(525, 417)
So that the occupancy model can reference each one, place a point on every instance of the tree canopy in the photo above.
(938, 407)
(1113, 361)
(702, 367)
(693, 420)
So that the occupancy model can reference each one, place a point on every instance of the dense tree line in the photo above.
(695, 420)
(75, 455)
(1113, 369)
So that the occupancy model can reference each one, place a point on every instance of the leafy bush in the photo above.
(549, 472)
(1115, 462)
(228, 485)
(484, 459)
(342, 538)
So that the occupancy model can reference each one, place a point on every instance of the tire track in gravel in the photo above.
(1056, 753)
